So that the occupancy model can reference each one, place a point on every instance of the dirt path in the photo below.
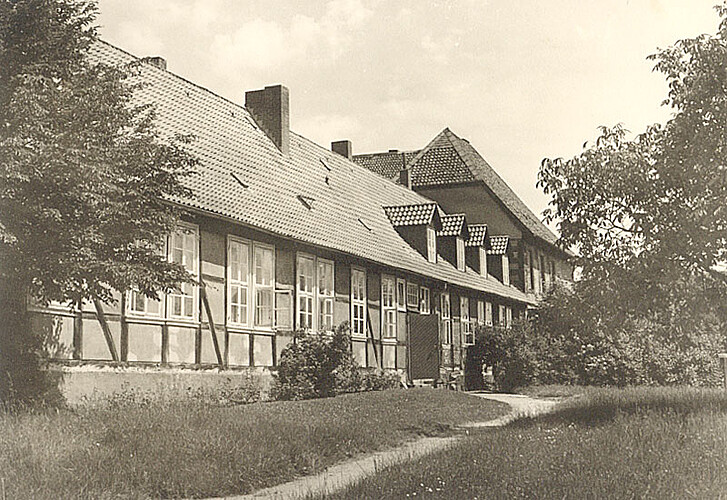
(346, 473)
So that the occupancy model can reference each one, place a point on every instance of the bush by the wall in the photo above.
(317, 365)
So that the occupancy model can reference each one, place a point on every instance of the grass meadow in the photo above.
(189, 449)
(607, 443)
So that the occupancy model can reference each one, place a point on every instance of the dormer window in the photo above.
(476, 248)
(460, 254)
(418, 226)
(431, 244)
(499, 261)
(505, 270)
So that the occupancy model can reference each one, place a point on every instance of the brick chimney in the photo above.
(343, 148)
(156, 61)
(405, 177)
(270, 107)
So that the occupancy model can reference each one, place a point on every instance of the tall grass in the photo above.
(608, 443)
(194, 450)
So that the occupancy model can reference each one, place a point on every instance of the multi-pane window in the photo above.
(508, 317)
(388, 305)
(505, 270)
(483, 261)
(358, 302)
(325, 295)
(412, 296)
(468, 336)
(182, 302)
(424, 300)
(446, 313)
(306, 290)
(238, 272)
(431, 244)
(263, 285)
(481, 312)
(488, 314)
(315, 293)
(251, 284)
(501, 316)
(460, 254)
(401, 294)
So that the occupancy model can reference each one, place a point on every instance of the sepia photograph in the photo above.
(363, 249)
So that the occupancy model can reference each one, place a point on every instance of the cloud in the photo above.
(260, 43)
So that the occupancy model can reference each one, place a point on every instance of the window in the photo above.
(468, 337)
(532, 271)
(488, 313)
(431, 244)
(508, 317)
(460, 254)
(388, 306)
(412, 296)
(483, 262)
(238, 272)
(543, 286)
(501, 316)
(284, 309)
(251, 284)
(358, 302)
(315, 293)
(325, 295)
(306, 290)
(446, 313)
(182, 303)
(401, 294)
(263, 285)
(424, 300)
(480, 312)
(552, 274)
(505, 270)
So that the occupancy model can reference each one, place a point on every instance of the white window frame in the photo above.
(255, 287)
(326, 299)
(388, 311)
(401, 294)
(357, 274)
(314, 296)
(186, 229)
(483, 261)
(446, 316)
(501, 318)
(244, 320)
(480, 312)
(468, 337)
(505, 269)
(412, 296)
(424, 300)
(431, 244)
(249, 321)
(488, 314)
(508, 317)
(460, 254)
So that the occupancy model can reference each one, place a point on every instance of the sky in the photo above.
(522, 80)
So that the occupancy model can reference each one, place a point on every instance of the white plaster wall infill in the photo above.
(346, 473)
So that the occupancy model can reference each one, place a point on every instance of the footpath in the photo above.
(351, 471)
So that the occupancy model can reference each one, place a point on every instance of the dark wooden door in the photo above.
(423, 346)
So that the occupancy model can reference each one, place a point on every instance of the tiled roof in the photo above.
(448, 159)
(412, 215)
(387, 164)
(453, 225)
(498, 244)
(478, 235)
(344, 210)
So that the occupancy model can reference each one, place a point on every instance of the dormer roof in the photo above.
(478, 235)
(421, 214)
(498, 245)
(454, 225)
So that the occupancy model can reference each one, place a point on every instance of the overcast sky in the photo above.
(521, 80)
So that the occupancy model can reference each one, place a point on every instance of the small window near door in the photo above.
(424, 300)
(412, 296)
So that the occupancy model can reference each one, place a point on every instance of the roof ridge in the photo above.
(426, 148)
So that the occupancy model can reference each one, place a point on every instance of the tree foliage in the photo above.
(85, 178)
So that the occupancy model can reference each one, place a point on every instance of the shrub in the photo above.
(318, 365)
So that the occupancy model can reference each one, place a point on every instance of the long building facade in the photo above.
(285, 235)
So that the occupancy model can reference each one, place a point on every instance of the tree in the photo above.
(85, 178)
(647, 216)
